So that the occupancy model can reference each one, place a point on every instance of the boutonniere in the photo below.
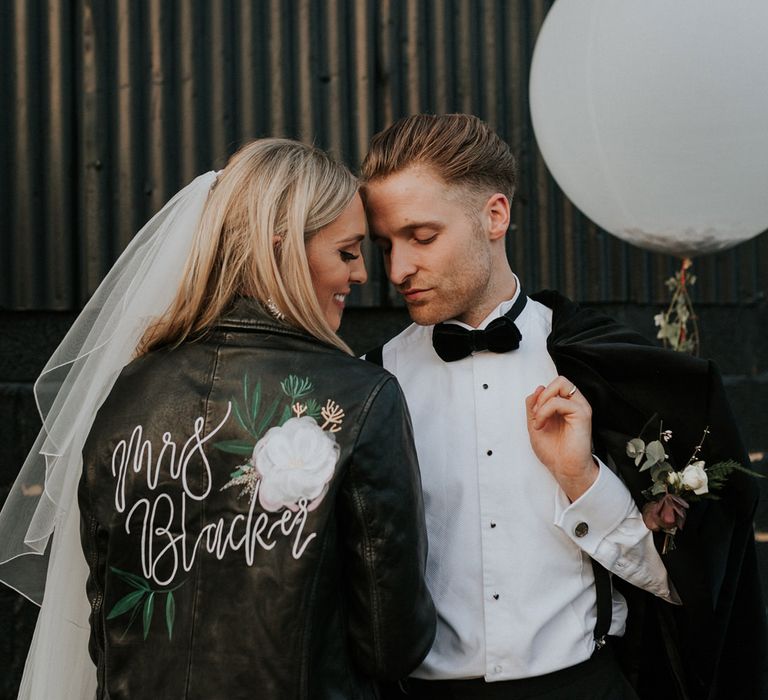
(671, 492)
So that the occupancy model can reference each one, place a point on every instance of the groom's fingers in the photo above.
(556, 406)
(560, 397)
(530, 402)
(562, 387)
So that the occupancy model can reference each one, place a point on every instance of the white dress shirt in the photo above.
(511, 579)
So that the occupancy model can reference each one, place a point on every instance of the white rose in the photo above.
(295, 460)
(695, 478)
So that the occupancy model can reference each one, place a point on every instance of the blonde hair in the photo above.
(271, 198)
(460, 148)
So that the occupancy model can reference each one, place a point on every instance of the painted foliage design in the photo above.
(290, 455)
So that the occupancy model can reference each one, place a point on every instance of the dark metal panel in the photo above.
(114, 106)
(37, 213)
(7, 181)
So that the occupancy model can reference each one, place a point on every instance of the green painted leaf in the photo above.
(245, 391)
(239, 416)
(313, 409)
(236, 447)
(304, 387)
(126, 603)
(149, 606)
(133, 579)
(286, 415)
(255, 401)
(236, 473)
(296, 387)
(267, 417)
(170, 613)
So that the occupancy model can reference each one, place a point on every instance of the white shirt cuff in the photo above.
(596, 513)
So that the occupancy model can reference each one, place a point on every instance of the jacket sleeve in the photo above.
(391, 617)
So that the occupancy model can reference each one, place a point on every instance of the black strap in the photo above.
(375, 356)
(604, 603)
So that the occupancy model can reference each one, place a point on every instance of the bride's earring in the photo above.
(272, 308)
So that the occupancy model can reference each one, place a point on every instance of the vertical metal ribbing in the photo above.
(23, 273)
(363, 89)
(127, 164)
(188, 100)
(248, 59)
(94, 120)
(303, 50)
(277, 70)
(114, 106)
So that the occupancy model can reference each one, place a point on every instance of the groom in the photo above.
(546, 578)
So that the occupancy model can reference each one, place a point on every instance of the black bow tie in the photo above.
(453, 342)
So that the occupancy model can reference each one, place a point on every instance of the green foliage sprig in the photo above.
(142, 598)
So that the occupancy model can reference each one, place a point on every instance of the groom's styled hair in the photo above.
(459, 148)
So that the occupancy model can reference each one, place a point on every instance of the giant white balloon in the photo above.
(652, 116)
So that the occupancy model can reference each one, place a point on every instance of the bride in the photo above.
(232, 503)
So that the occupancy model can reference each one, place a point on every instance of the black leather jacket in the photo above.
(253, 523)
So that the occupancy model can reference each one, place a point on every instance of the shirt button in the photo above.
(495, 596)
(497, 669)
(489, 453)
(485, 386)
(581, 529)
(493, 524)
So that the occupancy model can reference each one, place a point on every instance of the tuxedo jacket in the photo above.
(714, 645)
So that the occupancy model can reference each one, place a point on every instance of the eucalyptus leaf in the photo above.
(635, 448)
(654, 451)
(657, 488)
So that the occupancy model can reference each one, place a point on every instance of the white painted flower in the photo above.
(295, 461)
(695, 478)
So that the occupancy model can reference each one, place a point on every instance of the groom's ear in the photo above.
(497, 216)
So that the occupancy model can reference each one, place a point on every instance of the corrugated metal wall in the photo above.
(109, 106)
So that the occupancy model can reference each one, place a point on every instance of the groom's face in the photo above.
(436, 249)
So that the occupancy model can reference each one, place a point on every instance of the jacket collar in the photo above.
(247, 314)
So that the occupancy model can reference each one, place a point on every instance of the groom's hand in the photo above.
(560, 429)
